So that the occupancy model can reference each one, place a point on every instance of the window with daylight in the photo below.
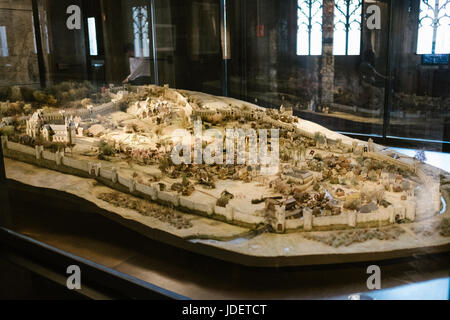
(45, 35)
(34, 34)
(309, 27)
(347, 27)
(92, 32)
(3, 42)
(141, 32)
(434, 27)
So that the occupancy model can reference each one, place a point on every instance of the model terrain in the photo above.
(330, 195)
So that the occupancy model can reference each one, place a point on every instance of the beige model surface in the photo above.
(330, 195)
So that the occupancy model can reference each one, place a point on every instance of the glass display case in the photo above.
(162, 137)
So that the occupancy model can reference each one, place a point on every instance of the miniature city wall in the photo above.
(58, 116)
(109, 176)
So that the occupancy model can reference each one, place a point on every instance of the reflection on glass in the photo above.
(34, 34)
(434, 27)
(347, 27)
(45, 26)
(309, 27)
(3, 42)
(421, 98)
(92, 36)
(140, 28)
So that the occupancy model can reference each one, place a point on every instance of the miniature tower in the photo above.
(34, 124)
(370, 145)
(354, 146)
(70, 130)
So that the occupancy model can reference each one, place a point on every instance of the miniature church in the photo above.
(37, 127)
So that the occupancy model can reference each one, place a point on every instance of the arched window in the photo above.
(140, 29)
(347, 27)
(309, 27)
(434, 27)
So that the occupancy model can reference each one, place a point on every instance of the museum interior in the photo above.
(377, 71)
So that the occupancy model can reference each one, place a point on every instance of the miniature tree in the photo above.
(27, 109)
(372, 175)
(7, 131)
(106, 149)
(319, 138)
(16, 95)
(164, 164)
(420, 156)
(380, 196)
(318, 156)
(316, 187)
(184, 180)
(71, 146)
(5, 93)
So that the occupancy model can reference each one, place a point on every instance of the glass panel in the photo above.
(90, 156)
(141, 31)
(317, 56)
(421, 82)
(132, 46)
(18, 56)
(189, 44)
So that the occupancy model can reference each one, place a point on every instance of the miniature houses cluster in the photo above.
(322, 182)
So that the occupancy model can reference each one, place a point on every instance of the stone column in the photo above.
(97, 168)
(410, 210)
(391, 214)
(90, 167)
(307, 219)
(114, 175)
(58, 157)
(4, 140)
(230, 212)
(38, 150)
(352, 219)
(133, 185)
(327, 68)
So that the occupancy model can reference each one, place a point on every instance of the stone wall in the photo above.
(74, 163)
(433, 186)
(20, 148)
(57, 117)
(396, 162)
(60, 162)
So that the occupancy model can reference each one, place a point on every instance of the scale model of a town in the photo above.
(327, 199)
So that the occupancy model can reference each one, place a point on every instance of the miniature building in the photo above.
(370, 145)
(298, 176)
(51, 132)
(287, 111)
(280, 218)
(34, 124)
(290, 204)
